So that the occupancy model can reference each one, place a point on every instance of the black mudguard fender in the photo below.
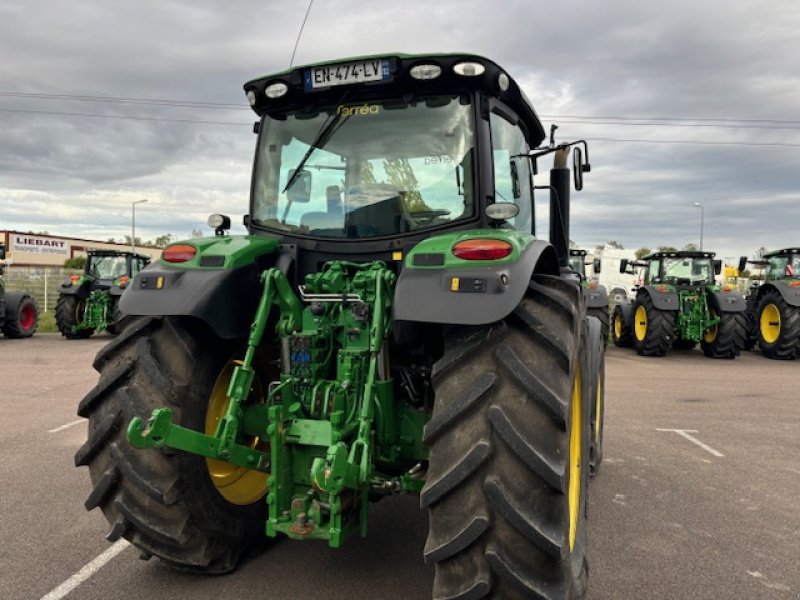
(596, 297)
(662, 300)
(790, 294)
(727, 302)
(479, 296)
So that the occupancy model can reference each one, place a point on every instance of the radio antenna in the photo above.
(300, 33)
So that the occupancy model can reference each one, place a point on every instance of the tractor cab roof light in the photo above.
(425, 71)
(276, 90)
(251, 97)
(469, 69)
(178, 253)
(481, 249)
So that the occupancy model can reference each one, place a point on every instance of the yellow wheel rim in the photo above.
(236, 484)
(640, 323)
(575, 452)
(598, 408)
(617, 326)
(770, 323)
(711, 335)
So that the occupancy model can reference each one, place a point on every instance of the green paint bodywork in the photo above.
(336, 432)
(236, 250)
(443, 244)
(694, 316)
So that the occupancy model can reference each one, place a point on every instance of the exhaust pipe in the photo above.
(559, 206)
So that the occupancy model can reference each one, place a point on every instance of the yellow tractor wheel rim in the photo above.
(575, 453)
(711, 335)
(598, 408)
(617, 326)
(640, 323)
(770, 323)
(236, 484)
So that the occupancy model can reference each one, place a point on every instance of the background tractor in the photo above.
(774, 305)
(679, 305)
(389, 324)
(596, 295)
(19, 313)
(89, 303)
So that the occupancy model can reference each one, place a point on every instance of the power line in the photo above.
(630, 124)
(691, 119)
(300, 33)
(695, 142)
(118, 100)
(120, 117)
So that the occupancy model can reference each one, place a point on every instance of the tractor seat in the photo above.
(323, 222)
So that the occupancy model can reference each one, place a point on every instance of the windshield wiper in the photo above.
(323, 135)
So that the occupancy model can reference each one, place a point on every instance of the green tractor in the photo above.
(19, 313)
(89, 303)
(679, 305)
(774, 305)
(390, 324)
(596, 295)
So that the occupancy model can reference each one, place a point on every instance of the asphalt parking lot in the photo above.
(698, 496)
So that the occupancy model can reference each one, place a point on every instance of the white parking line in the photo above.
(685, 433)
(67, 426)
(87, 571)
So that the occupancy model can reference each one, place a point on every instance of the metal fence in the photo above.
(41, 282)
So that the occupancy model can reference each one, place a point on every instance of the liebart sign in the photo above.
(31, 244)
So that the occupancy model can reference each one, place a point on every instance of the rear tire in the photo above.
(163, 501)
(621, 332)
(728, 338)
(509, 438)
(22, 315)
(777, 327)
(69, 313)
(653, 329)
(601, 313)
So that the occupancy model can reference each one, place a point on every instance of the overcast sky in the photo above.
(681, 102)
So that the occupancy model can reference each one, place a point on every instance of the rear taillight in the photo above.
(178, 253)
(482, 249)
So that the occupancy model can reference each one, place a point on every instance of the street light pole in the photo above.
(702, 218)
(133, 224)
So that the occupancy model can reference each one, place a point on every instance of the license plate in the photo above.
(347, 73)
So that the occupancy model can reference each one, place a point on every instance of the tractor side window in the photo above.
(777, 267)
(512, 172)
(652, 272)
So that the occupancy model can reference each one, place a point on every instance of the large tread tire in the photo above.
(499, 476)
(67, 308)
(601, 313)
(654, 335)
(784, 345)
(163, 501)
(22, 315)
(113, 325)
(750, 315)
(729, 337)
(596, 348)
(621, 332)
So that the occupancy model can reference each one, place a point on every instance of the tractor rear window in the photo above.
(366, 170)
(688, 271)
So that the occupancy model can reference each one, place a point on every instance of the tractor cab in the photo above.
(105, 268)
(684, 269)
(783, 264)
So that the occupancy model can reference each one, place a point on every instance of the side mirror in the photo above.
(623, 265)
(717, 267)
(596, 266)
(300, 191)
(578, 168)
(742, 263)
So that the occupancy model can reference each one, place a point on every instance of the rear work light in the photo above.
(178, 253)
(482, 249)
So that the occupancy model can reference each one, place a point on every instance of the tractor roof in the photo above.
(103, 252)
(396, 81)
(782, 252)
(680, 254)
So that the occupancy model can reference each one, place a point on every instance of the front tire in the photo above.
(601, 313)
(165, 501)
(22, 315)
(777, 327)
(509, 439)
(69, 314)
(653, 329)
